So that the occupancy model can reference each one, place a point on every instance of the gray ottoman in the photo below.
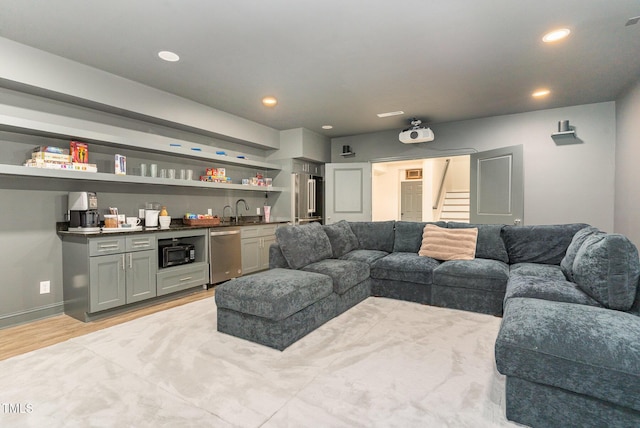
(569, 364)
(276, 307)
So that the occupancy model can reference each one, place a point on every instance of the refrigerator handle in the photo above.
(311, 195)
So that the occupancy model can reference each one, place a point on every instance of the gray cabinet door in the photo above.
(497, 186)
(250, 255)
(140, 275)
(107, 282)
(264, 251)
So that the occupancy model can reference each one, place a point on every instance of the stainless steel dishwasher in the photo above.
(225, 254)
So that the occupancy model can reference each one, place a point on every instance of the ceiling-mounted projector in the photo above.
(417, 133)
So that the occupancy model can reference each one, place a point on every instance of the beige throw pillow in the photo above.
(448, 244)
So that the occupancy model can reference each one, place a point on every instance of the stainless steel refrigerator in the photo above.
(308, 198)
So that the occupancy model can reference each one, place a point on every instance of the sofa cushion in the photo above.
(448, 244)
(275, 294)
(408, 267)
(344, 273)
(374, 235)
(303, 244)
(408, 236)
(490, 244)
(366, 256)
(537, 270)
(539, 244)
(479, 274)
(578, 239)
(583, 349)
(607, 268)
(341, 237)
(547, 288)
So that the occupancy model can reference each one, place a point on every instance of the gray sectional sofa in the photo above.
(569, 342)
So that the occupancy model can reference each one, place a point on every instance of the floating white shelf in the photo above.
(15, 119)
(19, 170)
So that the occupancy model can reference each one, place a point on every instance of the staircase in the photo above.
(455, 207)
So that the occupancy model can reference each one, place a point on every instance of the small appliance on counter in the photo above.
(151, 218)
(151, 214)
(83, 212)
(175, 253)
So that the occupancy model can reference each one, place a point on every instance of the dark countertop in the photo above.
(176, 225)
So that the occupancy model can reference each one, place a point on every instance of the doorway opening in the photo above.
(422, 189)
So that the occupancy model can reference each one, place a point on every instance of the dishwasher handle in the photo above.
(224, 232)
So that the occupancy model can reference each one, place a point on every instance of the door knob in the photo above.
(517, 221)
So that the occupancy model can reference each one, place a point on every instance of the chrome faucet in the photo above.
(230, 214)
(245, 206)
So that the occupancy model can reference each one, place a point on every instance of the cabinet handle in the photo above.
(123, 262)
(108, 247)
(130, 261)
(186, 279)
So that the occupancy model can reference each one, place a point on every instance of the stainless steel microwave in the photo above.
(176, 254)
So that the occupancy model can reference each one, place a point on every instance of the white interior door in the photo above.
(497, 186)
(411, 200)
(347, 192)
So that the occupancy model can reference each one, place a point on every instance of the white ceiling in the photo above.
(340, 62)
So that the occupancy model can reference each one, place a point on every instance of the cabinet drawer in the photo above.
(256, 231)
(102, 246)
(182, 277)
(140, 242)
(268, 230)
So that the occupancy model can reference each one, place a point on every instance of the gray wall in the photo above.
(562, 182)
(627, 201)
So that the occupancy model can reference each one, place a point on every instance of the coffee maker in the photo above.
(83, 212)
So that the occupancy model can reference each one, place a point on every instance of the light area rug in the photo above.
(383, 363)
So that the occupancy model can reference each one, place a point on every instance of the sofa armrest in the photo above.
(276, 258)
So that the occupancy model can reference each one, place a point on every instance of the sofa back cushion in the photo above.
(341, 237)
(607, 268)
(408, 236)
(578, 239)
(490, 244)
(303, 244)
(539, 244)
(374, 235)
(448, 244)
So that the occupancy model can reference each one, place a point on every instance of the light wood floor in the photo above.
(39, 334)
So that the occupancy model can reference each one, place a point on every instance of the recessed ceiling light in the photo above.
(555, 35)
(391, 113)
(541, 93)
(269, 101)
(168, 56)
(327, 127)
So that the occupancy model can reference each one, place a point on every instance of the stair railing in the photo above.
(444, 176)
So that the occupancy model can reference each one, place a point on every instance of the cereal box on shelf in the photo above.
(217, 172)
(120, 165)
(79, 152)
